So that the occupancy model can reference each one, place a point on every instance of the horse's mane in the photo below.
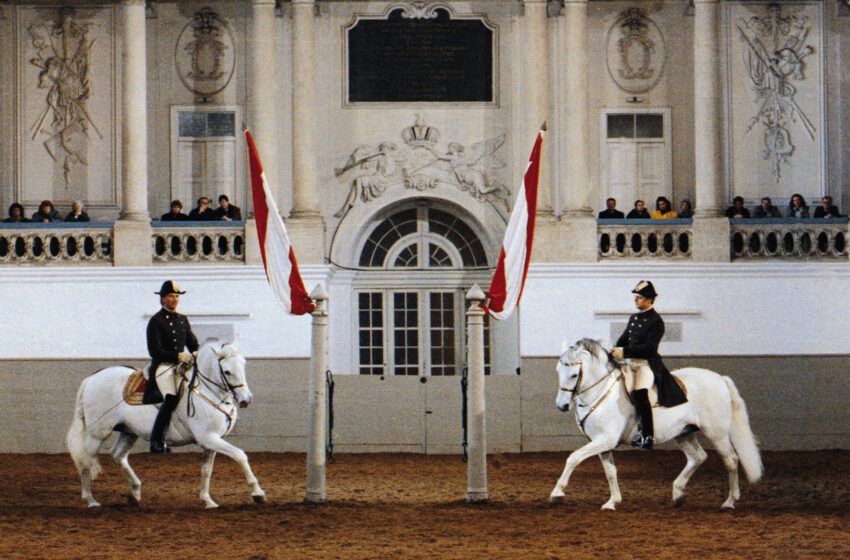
(226, 349)
(597, 350)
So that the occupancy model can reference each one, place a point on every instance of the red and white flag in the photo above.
(509, 279)
(278, 256)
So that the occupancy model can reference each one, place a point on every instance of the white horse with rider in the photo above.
(206, 412)
(591, 379)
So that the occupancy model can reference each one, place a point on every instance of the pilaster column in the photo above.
(536, 75)
(707, 88)
(305, 195)
(262, 80)
(710, 228)
(575, 192)
(132, 232)
(135, 118)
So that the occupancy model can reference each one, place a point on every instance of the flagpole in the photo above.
(317, 400)
(476, 465)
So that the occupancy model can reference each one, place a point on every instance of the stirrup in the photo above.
(157, 447)
(642, 442)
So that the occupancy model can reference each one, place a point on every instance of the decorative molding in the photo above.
(420, 9)
(56, 245)
(420, 164)
(670, 239)
(775, 49)
(62, 47)
(636, 52)
(205, 54)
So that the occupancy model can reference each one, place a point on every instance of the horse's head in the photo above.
(225, 359)
(579, 365)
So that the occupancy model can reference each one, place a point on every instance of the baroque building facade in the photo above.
(394, 135)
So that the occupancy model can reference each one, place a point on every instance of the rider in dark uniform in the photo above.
(640, 340)
(168, 334)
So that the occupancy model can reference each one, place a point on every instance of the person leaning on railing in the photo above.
(827, 209)
(663, 210)
(639, 212)
(76, 214)
(686, 209)
(203, 212)
(737, 210)
(46, 213)
(227, 212)
(798, 208)
(611, 212)
(16, 214)
(176, 214)
(766, 209)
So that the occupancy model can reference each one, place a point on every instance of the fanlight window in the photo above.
(416, 328)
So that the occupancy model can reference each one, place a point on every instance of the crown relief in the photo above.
(421, 163)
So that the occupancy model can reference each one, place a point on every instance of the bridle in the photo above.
(224, 386)
(575, 391)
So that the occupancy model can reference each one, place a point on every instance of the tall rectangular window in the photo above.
(371, 332)
(406, 333)
(442, 331)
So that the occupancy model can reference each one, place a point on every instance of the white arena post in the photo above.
(476, 466)
(317, 401)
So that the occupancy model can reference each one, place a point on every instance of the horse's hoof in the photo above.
(259, 499)
(555, 500)
(132, 500)
(678, 502)
(727, 506)
(94, 504)
(609, 507)
(211, 505)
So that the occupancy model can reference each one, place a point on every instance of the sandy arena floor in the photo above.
(412, 506)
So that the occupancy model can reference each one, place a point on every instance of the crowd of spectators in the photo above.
(48, 213)
(797, 208)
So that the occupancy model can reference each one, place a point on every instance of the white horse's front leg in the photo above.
(575, 458)
(215, 443)
(206, 474)
(607, 459)
(120, 453)
(696, 455)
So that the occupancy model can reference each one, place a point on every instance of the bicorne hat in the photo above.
(169, 287)
(645, 289)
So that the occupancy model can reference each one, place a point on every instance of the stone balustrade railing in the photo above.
(671, 239)
(43, 243)
(789, 238)
(198, 242)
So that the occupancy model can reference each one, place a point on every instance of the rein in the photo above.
(575, 391)
(199, 378)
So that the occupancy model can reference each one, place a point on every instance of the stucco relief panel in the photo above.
(205, 54)
(636, 52)
(65, 105)
(776, 99)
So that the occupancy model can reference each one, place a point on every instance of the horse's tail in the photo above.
(742, 436)
(77, 438)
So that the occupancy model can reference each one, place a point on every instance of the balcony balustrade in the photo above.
(198, 242)
(624, 239)
(48, 243)
(788, 238)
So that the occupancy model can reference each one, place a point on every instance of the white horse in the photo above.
(205, 414)
(589, 376)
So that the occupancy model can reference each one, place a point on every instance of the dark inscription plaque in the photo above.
(400, 59)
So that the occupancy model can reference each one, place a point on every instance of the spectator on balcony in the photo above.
(766, 209)
(798, 207)
(77, 214)
(686, 210)
(663, 210)
(16, 214)
(46, 213)
(227, 212)
(738, 210)
(611, 212)
(203, 212)
(827, 209)
(176, 214)
(639, 212)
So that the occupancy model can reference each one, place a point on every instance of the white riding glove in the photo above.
(617, 352)
(184, 358)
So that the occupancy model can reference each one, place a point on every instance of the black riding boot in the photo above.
(644, 414)
(160, 426)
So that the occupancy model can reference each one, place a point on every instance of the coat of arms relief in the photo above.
(421, 163)
(774, 57)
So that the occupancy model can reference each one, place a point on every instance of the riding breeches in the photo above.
(167, 378)
(644, 378)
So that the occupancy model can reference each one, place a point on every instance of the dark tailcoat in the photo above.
(640, 340)
(168, 334)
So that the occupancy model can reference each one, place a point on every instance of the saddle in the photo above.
(139, 390)
(630, 367)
